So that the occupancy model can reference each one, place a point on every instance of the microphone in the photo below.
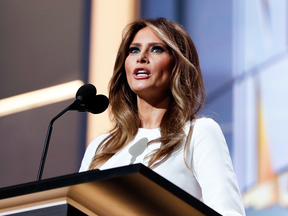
(97, 104)
(85, 93)
(86, 101)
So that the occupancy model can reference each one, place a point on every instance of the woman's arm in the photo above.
(213, 169)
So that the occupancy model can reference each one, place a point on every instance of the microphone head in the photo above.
(85, 93)
(88, 101)
(98, 104)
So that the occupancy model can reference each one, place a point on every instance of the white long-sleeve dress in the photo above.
(211, 178)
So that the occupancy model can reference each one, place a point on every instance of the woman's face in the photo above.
(149, 65)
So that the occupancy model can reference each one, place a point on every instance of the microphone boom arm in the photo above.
(86, 101)
(47, 141)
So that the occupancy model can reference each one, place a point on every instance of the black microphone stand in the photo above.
(47, 141)
(86, 100)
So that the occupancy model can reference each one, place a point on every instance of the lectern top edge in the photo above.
(97, 175)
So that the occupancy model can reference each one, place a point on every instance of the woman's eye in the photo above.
(133, 50)
(157, 49)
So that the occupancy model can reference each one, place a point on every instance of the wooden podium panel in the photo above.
(132, 190)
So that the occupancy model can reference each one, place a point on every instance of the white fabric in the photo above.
(212, 179)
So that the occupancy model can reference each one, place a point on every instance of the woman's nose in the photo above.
(142, 58)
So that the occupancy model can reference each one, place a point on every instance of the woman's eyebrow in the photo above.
(150, 44)
(135, 44)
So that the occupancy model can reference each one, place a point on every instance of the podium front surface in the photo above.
(133, 190)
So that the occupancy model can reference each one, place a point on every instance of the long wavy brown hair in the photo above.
(187, 95)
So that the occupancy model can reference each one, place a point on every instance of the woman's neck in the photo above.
(152, 112)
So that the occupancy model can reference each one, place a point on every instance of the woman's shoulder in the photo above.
(205, 127)
(207, 132)
(90, 152)
(203, 123)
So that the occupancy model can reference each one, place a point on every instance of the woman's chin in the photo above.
(140, 89)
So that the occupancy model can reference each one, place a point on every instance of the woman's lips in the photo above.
(141, 73)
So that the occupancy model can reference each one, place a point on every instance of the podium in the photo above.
(133, 190)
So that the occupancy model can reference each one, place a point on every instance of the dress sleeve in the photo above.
(213, 169)
(90, 152)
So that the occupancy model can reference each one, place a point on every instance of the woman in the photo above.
(155, 92)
